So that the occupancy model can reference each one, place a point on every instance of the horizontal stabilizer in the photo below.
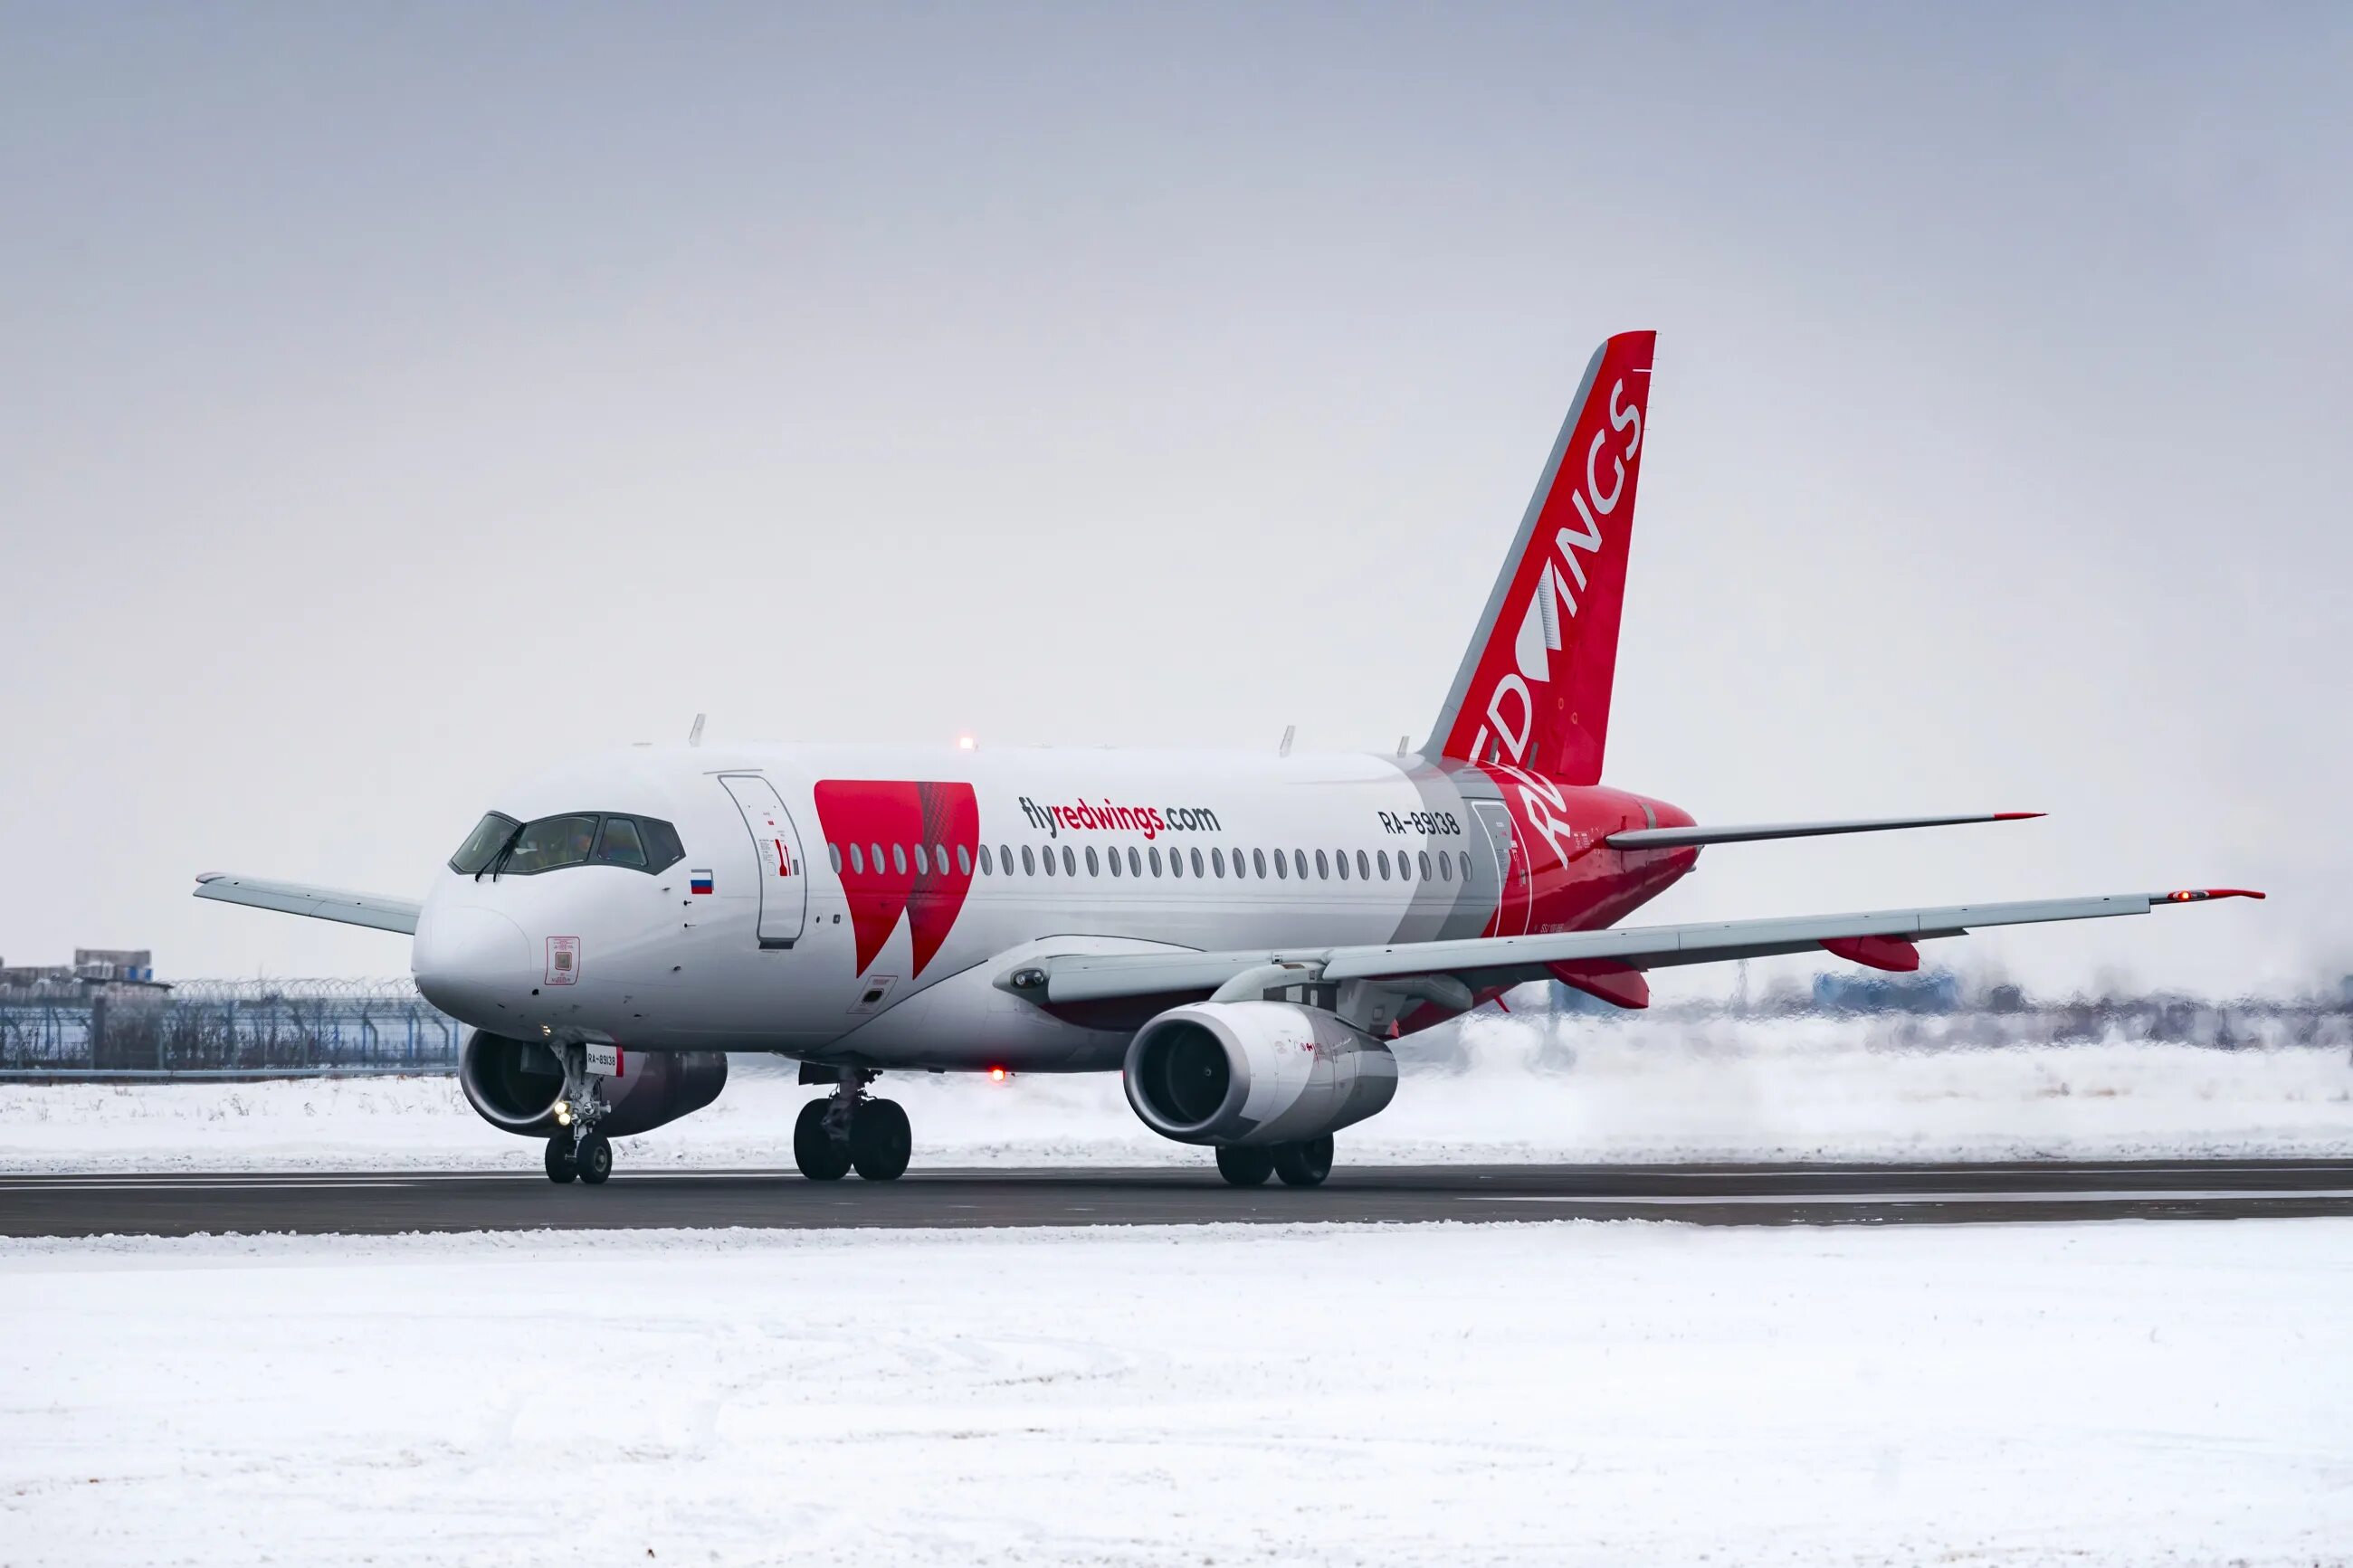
(320, 903)
(1681, 837)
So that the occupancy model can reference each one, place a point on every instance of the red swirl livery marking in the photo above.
(888, 876)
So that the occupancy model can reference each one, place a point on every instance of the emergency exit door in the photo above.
(776, 852)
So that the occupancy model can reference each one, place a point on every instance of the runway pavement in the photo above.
(392, 1202)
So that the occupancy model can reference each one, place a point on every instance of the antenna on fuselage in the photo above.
(1284, 749)
(694, 732)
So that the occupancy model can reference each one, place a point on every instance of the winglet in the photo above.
(2199, 895)
(2017, 816)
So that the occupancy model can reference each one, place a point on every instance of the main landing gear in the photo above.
(1298, 1164)
(849, 1130)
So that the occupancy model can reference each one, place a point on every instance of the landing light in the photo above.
(967, 743)
(998, 1074)
(564, 1113)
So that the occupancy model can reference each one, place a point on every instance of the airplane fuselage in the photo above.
(857, 905)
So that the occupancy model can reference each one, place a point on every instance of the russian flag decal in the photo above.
(697, 882)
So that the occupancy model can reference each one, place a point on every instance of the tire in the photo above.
(560, 1168)
(1303, 1164)
(820, 1157)
(594, 1159)
(1245, 1167)
(880, 1142)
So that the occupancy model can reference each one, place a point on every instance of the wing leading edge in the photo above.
(1483, 963)
(372, 909)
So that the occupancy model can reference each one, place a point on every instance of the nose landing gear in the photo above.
(849, 1130)
(577, 1151)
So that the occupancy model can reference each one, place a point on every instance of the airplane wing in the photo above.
(1881, 939)
(320, 903)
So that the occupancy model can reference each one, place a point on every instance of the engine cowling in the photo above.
(514, 1085)
(1254, 1073)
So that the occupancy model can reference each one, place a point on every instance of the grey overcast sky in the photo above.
(398, 396)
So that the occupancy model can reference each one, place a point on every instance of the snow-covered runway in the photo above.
(1539, 1394)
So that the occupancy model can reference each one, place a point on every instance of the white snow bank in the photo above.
(1578, 1089)
(1541, 1393)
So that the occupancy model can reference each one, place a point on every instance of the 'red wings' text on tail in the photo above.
(1533, 688)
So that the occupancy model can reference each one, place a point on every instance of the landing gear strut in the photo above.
(1298, 1164)
(850, 1131)
(577, 1151)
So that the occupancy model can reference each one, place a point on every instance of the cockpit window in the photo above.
(550, 842)
(576, 838)
(621, 845)
(490, 837)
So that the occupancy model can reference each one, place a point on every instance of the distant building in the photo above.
(1933, 991)
(90, 967)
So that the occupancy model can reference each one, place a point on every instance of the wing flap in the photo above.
(372, 909)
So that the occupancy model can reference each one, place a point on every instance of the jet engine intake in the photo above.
(1236, 1073)
(514, 1085)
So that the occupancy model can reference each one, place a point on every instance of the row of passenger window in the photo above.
(1264, 864)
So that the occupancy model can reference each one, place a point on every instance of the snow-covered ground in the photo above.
(1576, 1089)
(1541, 1393)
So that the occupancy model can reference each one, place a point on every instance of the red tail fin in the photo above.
(1534, 688)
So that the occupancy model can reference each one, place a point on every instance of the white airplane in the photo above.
(1239, 935)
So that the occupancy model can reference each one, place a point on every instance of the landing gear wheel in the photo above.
(1245, 1167)
(880, 1140)
(820, 1156)
(594, 1159)
(560, 1168)
(1303, 1164)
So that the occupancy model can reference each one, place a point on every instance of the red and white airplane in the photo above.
(1239, 935)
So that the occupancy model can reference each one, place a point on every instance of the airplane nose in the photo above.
(469, 961)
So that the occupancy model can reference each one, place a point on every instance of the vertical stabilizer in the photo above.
(1533, 688)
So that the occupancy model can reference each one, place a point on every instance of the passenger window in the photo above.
(1155, 860)
(1364, 868)
(899, 858)
(1281, 864)
(1299, 862)
(1218, 861)
(923, 866)
(1069, 862)
(1094, 868)
(1257, 862)
(1176, 862)
(1445, 868)
(833, 854)
(963, 861)
(1134, 862)
(1340, 863)
(618, 844)
(1197, 864)
(857, 860)
(1046, 855)
(1111, 857)
(1424, 858)
(1466, 864)
(1029, 867)
(1381, 860)
(1323, 871)
(876, 851)
(940, 857)
(1005, 858)
(986, 869)
(550, 842)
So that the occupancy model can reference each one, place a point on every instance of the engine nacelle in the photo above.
(1254, 1072)
(514, 1085)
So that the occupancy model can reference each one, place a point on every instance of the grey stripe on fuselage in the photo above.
(1443, 909)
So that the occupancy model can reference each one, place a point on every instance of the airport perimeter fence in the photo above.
(227, 1029)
